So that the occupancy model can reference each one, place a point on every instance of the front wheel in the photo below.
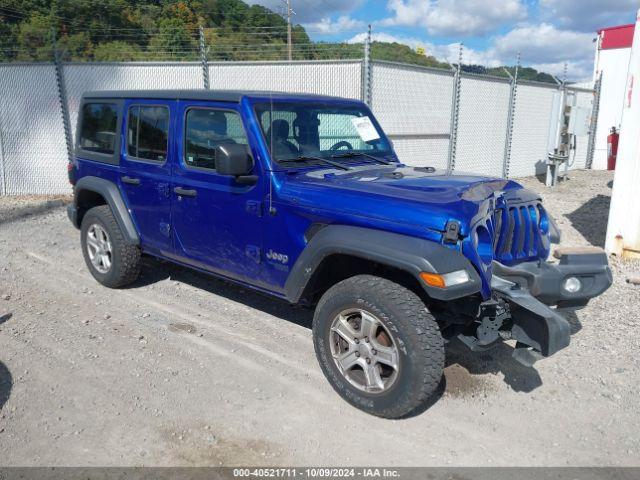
(378, 346)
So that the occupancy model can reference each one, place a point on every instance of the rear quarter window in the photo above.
(98, 131)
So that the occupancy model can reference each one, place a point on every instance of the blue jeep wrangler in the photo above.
(302, 197)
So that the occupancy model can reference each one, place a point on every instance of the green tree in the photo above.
(121, 30)
(174, 39)
(117, 51)
(34, 39)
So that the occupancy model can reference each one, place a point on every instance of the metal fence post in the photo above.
(367, 77)
(204, 58)
(510, 116)
(455, 110)
(62, 95)
(593, 127)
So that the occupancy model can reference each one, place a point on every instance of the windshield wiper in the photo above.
(361, 154)
(303, 158)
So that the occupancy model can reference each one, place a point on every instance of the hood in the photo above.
(422, 197)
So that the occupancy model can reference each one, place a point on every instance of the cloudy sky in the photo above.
(548, 33)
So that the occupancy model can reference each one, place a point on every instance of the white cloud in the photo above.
(589, 15)
(455, 17)
(578, 71)
(544, 43)
(311, 10)
(470, 56)
(448, 53)
(543, 47)
(326, 26)
(386, 37)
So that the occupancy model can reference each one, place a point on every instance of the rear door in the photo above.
(147, 157)
(217, 221)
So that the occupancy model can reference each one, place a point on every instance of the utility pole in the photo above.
(289, 12)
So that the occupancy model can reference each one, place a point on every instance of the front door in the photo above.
(145, 170)
(216, 221)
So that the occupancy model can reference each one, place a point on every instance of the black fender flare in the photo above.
(111, 193)
(410, 254)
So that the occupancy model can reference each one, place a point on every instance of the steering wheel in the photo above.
(340, 144)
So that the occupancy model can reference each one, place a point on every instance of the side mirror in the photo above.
(233, 160)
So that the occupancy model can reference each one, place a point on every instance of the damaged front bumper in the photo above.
(528, 298)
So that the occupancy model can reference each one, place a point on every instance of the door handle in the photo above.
(185, 192)
(130, 181)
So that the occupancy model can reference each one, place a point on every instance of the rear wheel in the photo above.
(111, 260)
(378, 346)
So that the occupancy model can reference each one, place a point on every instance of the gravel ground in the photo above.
(20, 207)
(182, 369)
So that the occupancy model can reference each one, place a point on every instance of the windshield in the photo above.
(320, 129)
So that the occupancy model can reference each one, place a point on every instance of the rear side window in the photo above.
(98, 131)
(207, 128)
(147, 132)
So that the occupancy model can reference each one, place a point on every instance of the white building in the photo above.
(613, 51)
(623, 231)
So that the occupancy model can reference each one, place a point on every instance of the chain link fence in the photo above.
(482, 124)
(442, 118)
(34, 152)
(413, 105)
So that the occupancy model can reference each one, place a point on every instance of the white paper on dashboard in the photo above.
(365, 128)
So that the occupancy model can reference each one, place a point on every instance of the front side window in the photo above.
(320, 129)
(206, 129)
(147, 132)
(98, 130)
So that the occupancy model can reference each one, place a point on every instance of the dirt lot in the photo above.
(182, 369)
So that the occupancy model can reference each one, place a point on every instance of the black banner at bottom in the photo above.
(215, 473)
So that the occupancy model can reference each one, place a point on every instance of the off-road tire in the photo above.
(405, 316)
(125, 258)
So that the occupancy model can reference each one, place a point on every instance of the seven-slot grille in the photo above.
(517, 232)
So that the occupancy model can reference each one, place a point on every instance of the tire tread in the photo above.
(127, 264)
(424, 330)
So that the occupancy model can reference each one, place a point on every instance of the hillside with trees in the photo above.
(148, 30)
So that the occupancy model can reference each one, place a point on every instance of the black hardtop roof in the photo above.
(212, 95)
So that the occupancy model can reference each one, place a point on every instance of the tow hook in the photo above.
(537, 330)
